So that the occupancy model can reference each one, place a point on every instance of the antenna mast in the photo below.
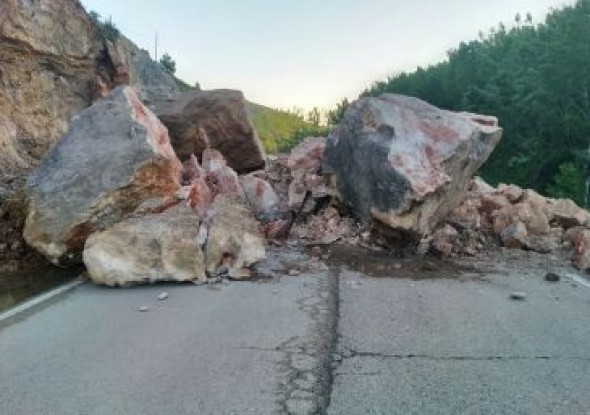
(156, 47)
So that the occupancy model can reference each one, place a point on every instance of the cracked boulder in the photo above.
(261, 197)
(148, 249)
(115, 155)
(234, 240)
(404, 163)
(217, 119)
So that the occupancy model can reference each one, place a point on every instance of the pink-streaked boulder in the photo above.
(191, 169)
(196, 189)
(223, 116)
(307, 155)
(260, 195)
(580, 238)
(221, 178)
(405, 163)
(115, 155)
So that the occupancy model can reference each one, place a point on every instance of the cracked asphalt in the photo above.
(461, 346)
(327, 341)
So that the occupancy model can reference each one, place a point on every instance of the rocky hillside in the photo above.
(53, 62)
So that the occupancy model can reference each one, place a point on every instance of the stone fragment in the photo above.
(567, 214)
(552, 277)
(518, 296)
(514, 236)
(307, 155)
(580, 238)
(261, 197)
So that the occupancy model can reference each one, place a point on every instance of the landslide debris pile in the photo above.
(397, 173)
(150, 184)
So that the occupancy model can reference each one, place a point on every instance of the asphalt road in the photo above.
(242, 348)
(446, 346)
(297, 344)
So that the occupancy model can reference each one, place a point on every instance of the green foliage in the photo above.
(335, 115)
(568, 183)
(536, 79)
(168, 64)
(183, 86)
(107, 28)
(278, 130)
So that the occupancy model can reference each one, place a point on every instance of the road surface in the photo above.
(330, 340)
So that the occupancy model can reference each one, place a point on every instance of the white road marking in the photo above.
(39, 299)
(579, 280)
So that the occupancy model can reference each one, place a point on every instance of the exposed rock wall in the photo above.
(48, 52)
(51, 57)
(145, 75)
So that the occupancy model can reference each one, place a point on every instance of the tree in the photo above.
(336, 115)
(107, 29)
(110, 31)
(168, 64)
(314, 117)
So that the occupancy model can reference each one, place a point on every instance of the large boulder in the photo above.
(404, 163)
(115, 155)
(147, 249)
(234, 240)
(219, 119)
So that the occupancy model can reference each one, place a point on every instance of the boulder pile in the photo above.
(514, 218)
(114, 194)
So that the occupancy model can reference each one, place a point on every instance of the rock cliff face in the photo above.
(145, 75)
(48, 52)
(51, 57)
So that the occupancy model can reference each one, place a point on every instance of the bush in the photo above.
(568, 183)
(107, 29)
(168, 64)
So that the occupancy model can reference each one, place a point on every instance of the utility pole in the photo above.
(156, 47)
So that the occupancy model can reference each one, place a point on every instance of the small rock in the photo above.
(163, 296)
(517, 295)
(144, 308)
(552, 277)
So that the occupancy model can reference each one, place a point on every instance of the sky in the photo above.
(306, 53)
